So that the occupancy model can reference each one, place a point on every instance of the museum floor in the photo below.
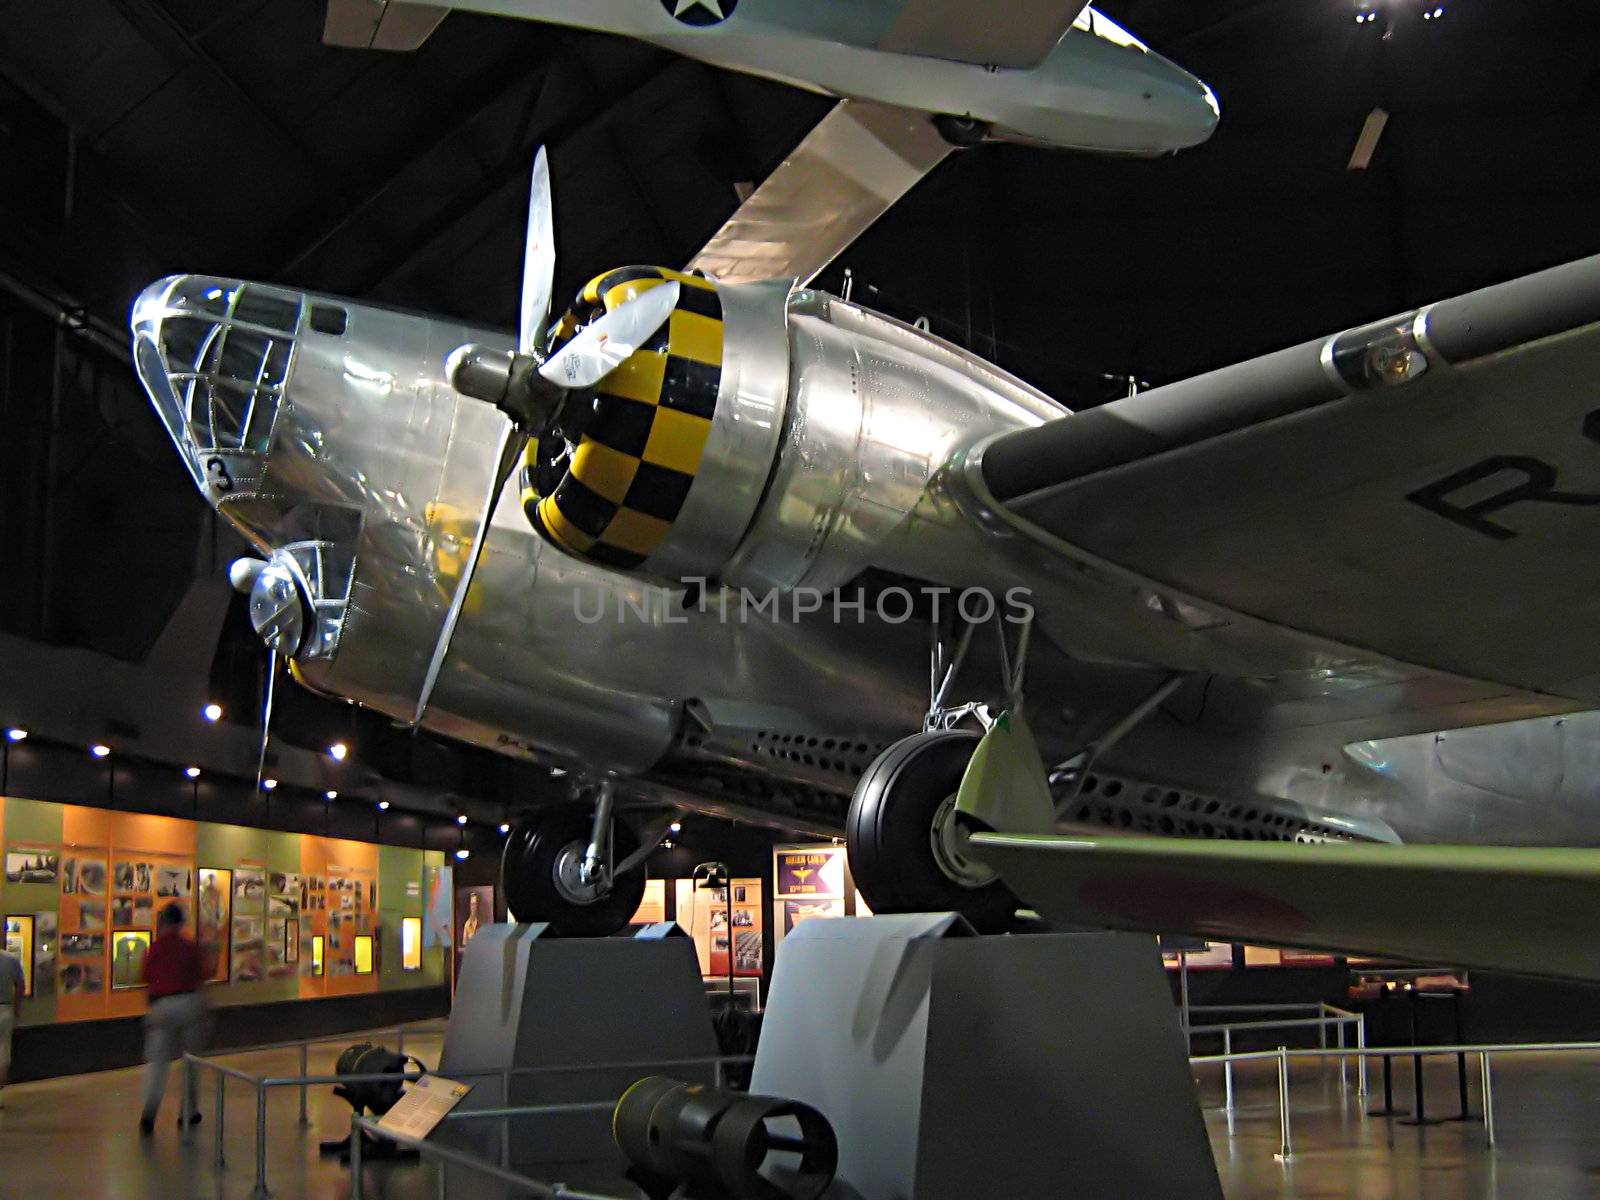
(76, 1137)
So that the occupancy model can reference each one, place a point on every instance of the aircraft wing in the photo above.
(1422, 491)
(1527, 910)
(1020, 39)
(380, 24)
(857, 162)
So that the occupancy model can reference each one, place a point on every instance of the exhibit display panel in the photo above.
(720, 918)
(280, 916)
(811, 882)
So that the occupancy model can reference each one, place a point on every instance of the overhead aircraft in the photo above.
(914, 79)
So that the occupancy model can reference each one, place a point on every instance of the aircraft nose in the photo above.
(214, 356)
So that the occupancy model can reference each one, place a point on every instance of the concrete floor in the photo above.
(77, 1137)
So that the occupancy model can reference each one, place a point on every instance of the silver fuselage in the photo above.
(843, 451)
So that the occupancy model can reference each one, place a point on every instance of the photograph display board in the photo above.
(213, 927)
(90, 885)
(704, 914)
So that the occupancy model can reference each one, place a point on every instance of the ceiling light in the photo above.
(268, 784)
(192, 772)
(504, 828)
(463, 853)
(677, 827)
(558, 770)
(99, 749)
(383, 806)
(330, 794)
(212, 711)
(338, 751)
(461, 818)
(17, 735)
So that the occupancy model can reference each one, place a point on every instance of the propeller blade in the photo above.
(602, 346)
(266, 716)
(538, 258)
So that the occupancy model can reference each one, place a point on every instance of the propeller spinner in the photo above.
(527, 386)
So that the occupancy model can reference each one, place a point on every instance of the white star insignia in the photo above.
(714, 7)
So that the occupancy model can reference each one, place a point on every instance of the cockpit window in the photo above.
(325, 318)
(260, 307)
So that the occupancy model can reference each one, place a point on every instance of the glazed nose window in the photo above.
(228, 361)
(215, 355)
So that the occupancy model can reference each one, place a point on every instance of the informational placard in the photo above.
(423, 1105)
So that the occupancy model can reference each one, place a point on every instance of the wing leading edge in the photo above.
(1425, 490)
(1516, 909)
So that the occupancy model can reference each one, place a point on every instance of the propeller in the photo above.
(538, 258)
(278, 618)
(527, 386)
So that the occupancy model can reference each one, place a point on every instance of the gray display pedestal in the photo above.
(526, 998)
(953, 1066)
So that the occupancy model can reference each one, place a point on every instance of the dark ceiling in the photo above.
(143, 137)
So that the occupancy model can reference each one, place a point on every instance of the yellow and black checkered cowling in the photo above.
(637, 457)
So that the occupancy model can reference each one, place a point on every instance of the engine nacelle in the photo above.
(768, 438)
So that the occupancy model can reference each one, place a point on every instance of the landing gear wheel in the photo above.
(539, 873)
(964, 132)
(901, 835)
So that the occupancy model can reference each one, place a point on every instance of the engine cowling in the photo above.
(672, 451)
(767, 438)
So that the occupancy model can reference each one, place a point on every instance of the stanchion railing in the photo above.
(1361, 1053)
(1326, 1015)
(262, 1084)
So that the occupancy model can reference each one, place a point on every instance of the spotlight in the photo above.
(268, 784)
(338, 751)
(383, 806)
(504, 828)
(330, 794)
(461, 818)
(463, 853)
(192, 772)
(677, 827)
(212, 711)
(558, 770)
(99, 749)
(17, 735)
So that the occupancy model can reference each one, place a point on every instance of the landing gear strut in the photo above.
(559, 866)
(906, 845)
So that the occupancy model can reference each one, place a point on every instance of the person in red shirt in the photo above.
(174, 971)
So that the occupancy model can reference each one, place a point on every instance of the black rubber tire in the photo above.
(961, 132)
(888, 833)
(527, 873)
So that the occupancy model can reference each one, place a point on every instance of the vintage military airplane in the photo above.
(770, 555)
(1045, 72)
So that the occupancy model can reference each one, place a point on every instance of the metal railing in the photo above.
(263, 1084)
(1326, 1015)
(1282, 1055)
(450, 1155)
